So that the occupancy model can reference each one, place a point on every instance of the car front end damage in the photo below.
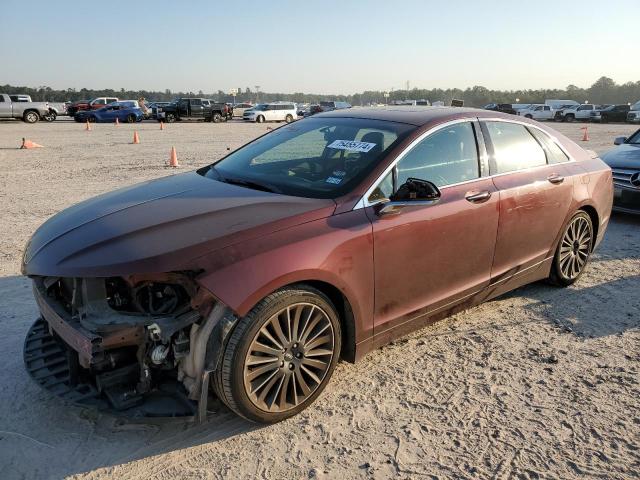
(138, 345)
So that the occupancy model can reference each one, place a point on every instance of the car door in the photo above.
(197, 109)
(426, 257)
(535, 195)
(5, 107)
(183, 108)
(547, 112)
(109, 113)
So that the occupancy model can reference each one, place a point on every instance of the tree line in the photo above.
(604, 90)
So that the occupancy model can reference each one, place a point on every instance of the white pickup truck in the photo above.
(576, 112)
(30, 112)
(537, 112)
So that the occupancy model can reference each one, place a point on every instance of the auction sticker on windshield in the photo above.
(352, 145)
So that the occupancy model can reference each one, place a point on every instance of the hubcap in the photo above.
(289, 357)
(575, 247)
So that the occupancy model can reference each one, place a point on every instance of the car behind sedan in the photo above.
(250, 278)
(124, 111)
(624, 161)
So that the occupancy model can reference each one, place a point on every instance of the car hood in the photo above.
(623, 156)
(160, 226)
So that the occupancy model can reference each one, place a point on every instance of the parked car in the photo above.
(240, 108)
(125, 111)
(575, 112)
(328, 106)
(537, 112)
(318, 241)
(501, 107)
(192, 109)
(634, 114)
(29, 112)
(624, 161)
(94, 104)
(313, 109)
(271, 112)
(612, 113)
(55, 108)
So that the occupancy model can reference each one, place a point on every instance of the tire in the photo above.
(50, 116)
(573, 251)
(528, 116)
(260, 119)
(569, 118)
(92, 119)
(280, 381)
(288, 119)
(131, 118)
(170, 117)
(30, 116)
(217, 118)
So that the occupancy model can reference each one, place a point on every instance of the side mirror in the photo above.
(414, 192)
(619, 140)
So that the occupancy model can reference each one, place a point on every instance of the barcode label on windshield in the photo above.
(352, 146)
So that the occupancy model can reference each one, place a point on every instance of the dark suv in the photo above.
(613, 113)
(501, 107)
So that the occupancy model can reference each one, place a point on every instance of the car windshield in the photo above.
(634, 139)
(260, 107)
(315, 158)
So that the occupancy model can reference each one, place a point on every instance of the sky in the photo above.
(322, 46)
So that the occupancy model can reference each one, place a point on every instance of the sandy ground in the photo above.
(541, 383)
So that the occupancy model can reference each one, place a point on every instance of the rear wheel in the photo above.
(288, 118)
(260, 119)
(528, 116)
(170, 117)
(569, 118)
(131, 118)
(573, 250)
(30, 116)
(280, 356)
(217, 118)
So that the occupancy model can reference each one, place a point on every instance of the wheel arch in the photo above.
(595, 220)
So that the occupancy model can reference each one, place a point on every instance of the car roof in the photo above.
(416, 115)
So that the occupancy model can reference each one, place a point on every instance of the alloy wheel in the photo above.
(575, 247)
(289, 357)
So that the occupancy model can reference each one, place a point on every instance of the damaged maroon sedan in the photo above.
(249, 279)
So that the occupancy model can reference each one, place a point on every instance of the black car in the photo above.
(624, 161)
(193, 109)
(612, 113)
(501, 107)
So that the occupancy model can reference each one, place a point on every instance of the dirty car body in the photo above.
(321, 240)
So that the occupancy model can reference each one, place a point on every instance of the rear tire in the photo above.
(170, 118)
(280, 356)
(288, 118)
(217, 118)
(131, 118)
(573, 251)
(50, 116)
(30, 116)
(528, 116)
(569, 118)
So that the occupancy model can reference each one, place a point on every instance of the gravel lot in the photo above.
(540, 383)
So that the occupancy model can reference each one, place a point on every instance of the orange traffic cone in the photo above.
(29, 144)
(88, 127)
(585, 137)
(117, 122)
(161, 125)
(173, 158)
(136, 139)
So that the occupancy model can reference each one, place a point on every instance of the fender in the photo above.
(241, 275)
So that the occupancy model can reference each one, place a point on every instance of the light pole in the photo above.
(257, 93)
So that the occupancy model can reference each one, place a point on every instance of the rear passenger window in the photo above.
(514, 148)
(551, 149)
(446, 157)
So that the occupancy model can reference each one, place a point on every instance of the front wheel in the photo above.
(260, 119)
(170, 118)
(528, 116)
(569, 118)
(280, 356)
(50, 116)
(573, 250)
(217, 118)
(131, 118)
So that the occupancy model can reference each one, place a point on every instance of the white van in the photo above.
(271, 112)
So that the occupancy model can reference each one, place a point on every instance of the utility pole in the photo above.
(257, 93)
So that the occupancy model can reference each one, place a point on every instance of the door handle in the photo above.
(555, 178)
(478, 197)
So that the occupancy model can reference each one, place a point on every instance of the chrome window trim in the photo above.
(482, 156)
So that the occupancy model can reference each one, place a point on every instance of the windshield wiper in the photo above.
(250, 184)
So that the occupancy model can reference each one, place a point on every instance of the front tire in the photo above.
(573, 251)
(569, 118)
(170, 118)
(260, 119)
(280, 356)
(217, 118)
(131, 118)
